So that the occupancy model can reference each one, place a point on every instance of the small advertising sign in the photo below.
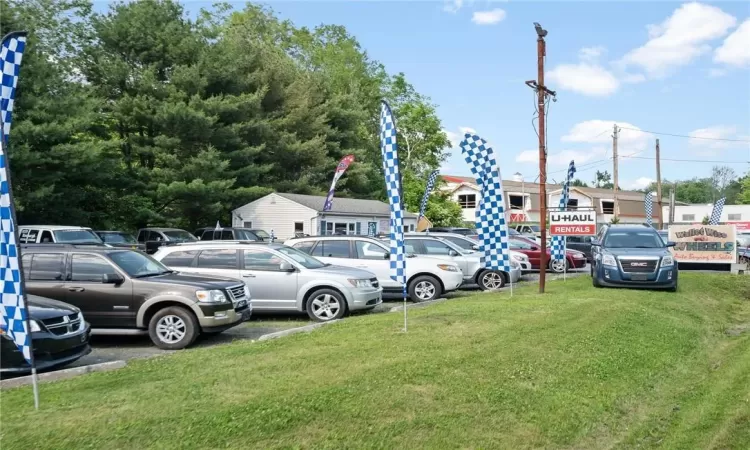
(572, 223)
(704, 243)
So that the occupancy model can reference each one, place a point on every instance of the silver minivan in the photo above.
(280, 278)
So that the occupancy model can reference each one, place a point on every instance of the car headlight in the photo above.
(360, 283)
(246, 290)
(35, 326)
(609, 260)
(667, 261)
(517, 257)
(448, 268)
(514, 264)
(578, 255)
(213, 296)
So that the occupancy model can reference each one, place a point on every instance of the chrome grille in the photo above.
(237, 293)
(639, 265)
(63, 325)
(374, 282)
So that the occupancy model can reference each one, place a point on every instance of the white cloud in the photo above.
(591, 53)
(640, 183)
(681, 38)
(465, 130)
(703, 138)
(633, 78)
(561, 158)
(452, 6)
(631, 139)
(735, 51)
(453, 137)
(584, 78)
(491, 17)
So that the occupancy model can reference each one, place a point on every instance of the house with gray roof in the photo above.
(289, 214)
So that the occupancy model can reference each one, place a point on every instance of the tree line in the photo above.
(146, 115)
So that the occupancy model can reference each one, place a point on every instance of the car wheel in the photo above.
(173, 328)
(673, 289)
(325, 305)
(558, 266)
(591, 269)
(595, 280)
(424, 289)
(491, 280)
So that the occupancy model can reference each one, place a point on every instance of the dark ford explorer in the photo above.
(633, 256)
(59, 336)
(128, 292)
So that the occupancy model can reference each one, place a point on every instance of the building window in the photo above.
(572, 204)
(735, 217)
(516, 201)
(608, 207)
(340, 228)
(467, 201)
(688, 217)
(299, 227)
(247, 224)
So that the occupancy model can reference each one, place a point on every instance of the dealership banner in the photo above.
(572, 223)
(704, 243)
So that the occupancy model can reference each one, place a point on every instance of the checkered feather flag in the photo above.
(389, 150)
(649, 207)
(716, 213)
(490, 219)
(11, 52)
(427, 190)
(557, 245)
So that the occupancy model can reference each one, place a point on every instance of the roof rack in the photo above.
(221, 241)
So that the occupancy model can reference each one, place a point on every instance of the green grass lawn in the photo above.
(578, 368)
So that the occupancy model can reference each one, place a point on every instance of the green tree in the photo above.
(744, 195)
(603, 180)
(579, 183)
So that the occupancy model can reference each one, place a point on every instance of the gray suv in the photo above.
(127, 292)
(280, 278)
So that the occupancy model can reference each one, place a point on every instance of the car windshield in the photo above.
(303, 259)
(455, 247)
(743, 239)
(76, 237)
(245, 235)
(179, 235)
(262, 234)
(118, 238)
(633, 239)
(137, 264)
(535, 228)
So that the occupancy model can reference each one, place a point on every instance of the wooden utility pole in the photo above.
(658, 186)
(615, 175)
(542, 94)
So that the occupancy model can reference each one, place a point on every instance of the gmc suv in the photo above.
(127, 292)
(633, 256)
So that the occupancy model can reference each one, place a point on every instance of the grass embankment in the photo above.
(577, 368)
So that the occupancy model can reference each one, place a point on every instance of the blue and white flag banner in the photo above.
(13, 312)
(716, 213)
(490, 219)
(340, 169)
(11, 52)
(649, 201)
(427, 191)
(389, 151)
(557, 244)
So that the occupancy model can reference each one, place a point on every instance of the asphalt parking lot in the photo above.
(114, 348)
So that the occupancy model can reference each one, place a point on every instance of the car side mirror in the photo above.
(535, 248)
(386, 256)
(671, 244)
(286, 267)
(112, 278)
(474, 247)
(452, 253)
(595, 243)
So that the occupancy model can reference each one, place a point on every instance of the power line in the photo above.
(691, 160)
(689, 137)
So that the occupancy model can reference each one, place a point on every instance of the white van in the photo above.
(56, 234)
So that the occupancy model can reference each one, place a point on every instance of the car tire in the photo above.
(491, 280)
(556, 267)
(672, 289)
(424, 289)
(173, 328)
(595, 280)
(325, 305)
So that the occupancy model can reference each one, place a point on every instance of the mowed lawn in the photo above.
(578, 368)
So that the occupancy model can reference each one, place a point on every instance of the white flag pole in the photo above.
(405, 313)
(565, 258)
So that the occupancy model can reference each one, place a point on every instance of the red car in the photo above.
(574, 258)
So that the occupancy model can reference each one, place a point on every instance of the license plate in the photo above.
(639, 277)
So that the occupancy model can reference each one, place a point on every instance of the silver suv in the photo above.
(470, 245)
(280, 278)
(469, 261)
(426, 278)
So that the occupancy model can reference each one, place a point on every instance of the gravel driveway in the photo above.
(113, 348)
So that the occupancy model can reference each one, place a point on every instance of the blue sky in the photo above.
(670, 67)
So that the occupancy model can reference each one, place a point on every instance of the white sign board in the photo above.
(572, 223)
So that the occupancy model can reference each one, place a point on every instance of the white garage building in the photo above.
(287, 214)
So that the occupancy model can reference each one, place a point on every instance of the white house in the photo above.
(522, 200)
(287, 214)
(730, 214)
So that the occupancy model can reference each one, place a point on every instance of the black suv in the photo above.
(121, 291)
(632, 256)
(59, 334)
(153, 238)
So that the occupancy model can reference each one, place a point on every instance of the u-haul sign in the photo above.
(572, 223)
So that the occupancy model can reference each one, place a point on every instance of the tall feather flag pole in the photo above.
(490, 219)
(649, 204)
(716, 212)
(393, 189)
(14, 314)
(427, 191)
(559, 247)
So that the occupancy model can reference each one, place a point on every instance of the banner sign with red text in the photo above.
(572, 223)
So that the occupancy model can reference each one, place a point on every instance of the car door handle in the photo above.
(76, 289)
(248, 275)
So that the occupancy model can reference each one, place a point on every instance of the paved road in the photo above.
(113, 348)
